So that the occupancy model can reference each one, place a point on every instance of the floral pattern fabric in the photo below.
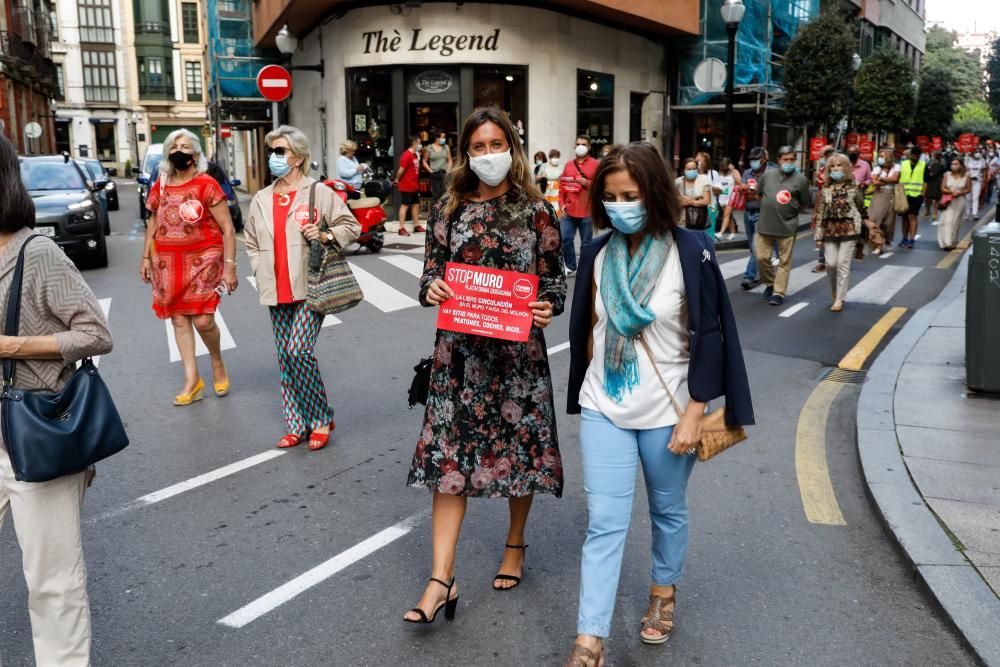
(187, 247)
(489, 425)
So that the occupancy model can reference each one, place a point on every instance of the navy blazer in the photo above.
(716, 365)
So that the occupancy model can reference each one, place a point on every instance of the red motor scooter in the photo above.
(367, 211)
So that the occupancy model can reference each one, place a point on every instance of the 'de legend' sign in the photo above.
(488, 302)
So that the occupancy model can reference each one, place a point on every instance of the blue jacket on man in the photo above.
(716, 365)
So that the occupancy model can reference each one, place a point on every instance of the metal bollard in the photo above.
(982, 312)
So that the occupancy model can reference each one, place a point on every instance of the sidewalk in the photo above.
(930, 454)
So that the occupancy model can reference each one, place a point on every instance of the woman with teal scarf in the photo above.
(638, 353)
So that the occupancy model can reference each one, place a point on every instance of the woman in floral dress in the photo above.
(189, 256)
(489, 427)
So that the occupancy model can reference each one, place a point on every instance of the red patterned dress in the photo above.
(187, 247)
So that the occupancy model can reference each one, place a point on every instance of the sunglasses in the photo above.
(280, 151)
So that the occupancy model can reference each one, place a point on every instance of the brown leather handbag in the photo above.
(716, 435)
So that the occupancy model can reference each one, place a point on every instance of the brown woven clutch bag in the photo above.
(716, 435)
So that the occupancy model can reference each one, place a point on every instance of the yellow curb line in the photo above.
(812, 472)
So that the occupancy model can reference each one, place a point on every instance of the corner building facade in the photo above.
(558, 69)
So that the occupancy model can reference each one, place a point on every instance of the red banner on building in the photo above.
(488, 302)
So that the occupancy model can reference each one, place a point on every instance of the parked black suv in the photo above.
(66, 210)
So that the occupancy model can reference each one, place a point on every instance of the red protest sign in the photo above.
(867, 147)
(488, 302)
(965, 143)
(936, 143)
(815, 147)
(924, 143)
(852, 138)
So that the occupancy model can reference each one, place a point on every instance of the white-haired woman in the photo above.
(189, 256)
(278, 233)
(349, 169)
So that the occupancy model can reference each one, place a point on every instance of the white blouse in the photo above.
(647, 406)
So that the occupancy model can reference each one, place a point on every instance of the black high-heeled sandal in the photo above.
(449, 603)
(510, 577)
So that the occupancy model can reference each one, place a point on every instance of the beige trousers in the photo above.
(764, 244)
(838, 255)
(951, 221)
(882, 213)
(47, 523)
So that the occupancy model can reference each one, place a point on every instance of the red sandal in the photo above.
(319, 440)
(289, 440)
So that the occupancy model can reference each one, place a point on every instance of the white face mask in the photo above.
(491, 168)
(554, 161)
(581, 150)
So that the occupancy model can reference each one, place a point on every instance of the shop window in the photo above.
(105, 140)
(504, 87)
(369, 117)
(595, 112)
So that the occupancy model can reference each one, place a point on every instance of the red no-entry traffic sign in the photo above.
(274, 82)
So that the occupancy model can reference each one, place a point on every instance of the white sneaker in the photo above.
(730, 237)
(718, 237)
(570, 273)
(935, 223)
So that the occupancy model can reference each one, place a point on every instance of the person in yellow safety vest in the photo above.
(913, 176)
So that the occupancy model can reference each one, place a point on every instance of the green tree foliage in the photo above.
(973, 111)
(993, 72)
(935, 105)
(962, 70)
(818, 71)
(884, 94)
(986, 129)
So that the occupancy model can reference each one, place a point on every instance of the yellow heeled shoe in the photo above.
(196, 394)
(221, 388)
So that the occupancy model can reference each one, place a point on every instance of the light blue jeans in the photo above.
(610, 458)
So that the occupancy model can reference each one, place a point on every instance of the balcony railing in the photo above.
(152, 28)
(100, 94)
(156, 91)
(23, 23)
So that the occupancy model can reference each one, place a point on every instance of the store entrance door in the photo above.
(427, 119)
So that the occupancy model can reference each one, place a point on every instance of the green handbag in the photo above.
(332, 287)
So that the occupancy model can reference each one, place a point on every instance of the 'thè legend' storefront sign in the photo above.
(378, 41)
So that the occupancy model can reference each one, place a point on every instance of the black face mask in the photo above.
(854, 157)
(181, 160)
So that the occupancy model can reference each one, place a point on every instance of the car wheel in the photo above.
(99, 256)
(375, 245)
(113, 203)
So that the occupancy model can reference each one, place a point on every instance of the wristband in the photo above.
(231, 261)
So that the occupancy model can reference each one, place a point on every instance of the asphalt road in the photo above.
(764, 586)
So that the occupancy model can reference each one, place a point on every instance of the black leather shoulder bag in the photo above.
(51, 435)
(421, 383)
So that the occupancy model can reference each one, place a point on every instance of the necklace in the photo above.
(284, 198)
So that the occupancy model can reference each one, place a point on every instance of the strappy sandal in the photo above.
(659, 618)
(510, 577)
(581, 656)
(449, 603)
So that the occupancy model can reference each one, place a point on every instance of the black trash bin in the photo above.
(982, 312)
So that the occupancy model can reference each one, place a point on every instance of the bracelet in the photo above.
(148, 258)
(231, 261)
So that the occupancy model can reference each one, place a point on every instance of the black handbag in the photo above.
(696, 217)
(49, 435)
(421, 382)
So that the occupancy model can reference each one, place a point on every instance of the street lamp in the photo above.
(855, 66)
(287, 44)
(732, 14)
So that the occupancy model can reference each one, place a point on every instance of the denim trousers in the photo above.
(569, 225)
(750, 219)
(610, 458)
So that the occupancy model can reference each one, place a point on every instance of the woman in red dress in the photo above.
(189, 257)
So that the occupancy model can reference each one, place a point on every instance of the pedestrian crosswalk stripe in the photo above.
(226, 339)
(886, 255)
(379, 294)
(788, 312)
(733, 268)
(801, 278)
(411, 265)
(328, 321)
(105, 308)
(882, 285)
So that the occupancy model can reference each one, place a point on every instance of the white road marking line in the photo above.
(317, 575)
(733, 268)
(328, 321)
(558, 348)
(379, 294)
(105, 308)
(886, 255)
(226, 339)
(800, 278)
(788, 312)
(882, 285)
(190, 484)
(411, 265)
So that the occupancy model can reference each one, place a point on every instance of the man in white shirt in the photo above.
(976, 165)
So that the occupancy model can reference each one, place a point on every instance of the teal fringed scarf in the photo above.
(626, 287)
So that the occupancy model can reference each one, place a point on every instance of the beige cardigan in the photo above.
(55, 301)
(259, 235)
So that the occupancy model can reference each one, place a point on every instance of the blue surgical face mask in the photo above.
(690, 174)
(881, 162)
(755, 164)
(278, 164)
(787, 168)
(836, 175)
(443, 140)
(628, 217)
